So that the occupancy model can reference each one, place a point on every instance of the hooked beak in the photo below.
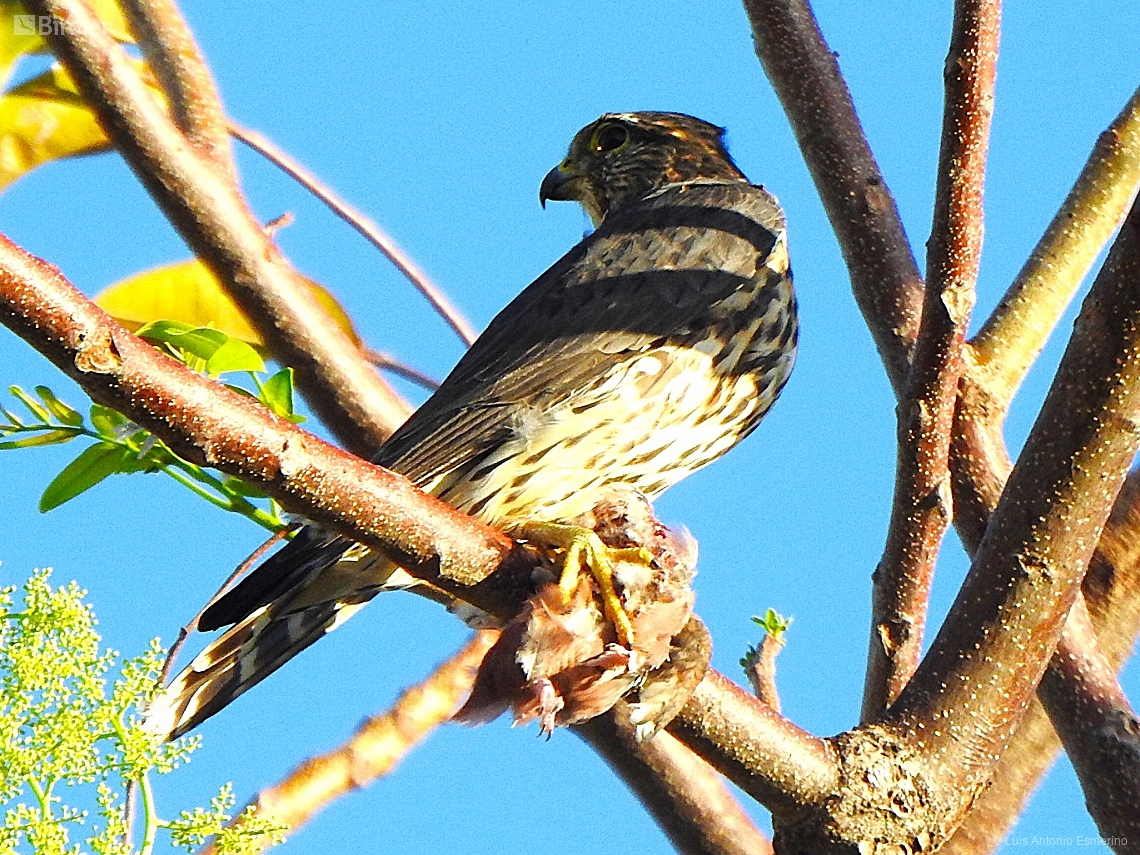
(560, 184)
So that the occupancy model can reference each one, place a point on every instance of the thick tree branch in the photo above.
(1110, 589)
(241, 438)
(377, 746)
(212, 217)
(1009, 342)
(1098, 728)
(968, 695)
(779, 765)
(687, 798)
(309, 477)
(804, 72)
(922, 501)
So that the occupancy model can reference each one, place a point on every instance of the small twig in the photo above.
(1012, 337)
(231, 580)
(177, 62)
(371, 232)
(804, 72)
(921, 511)
(760, 669)
(1098, 727)
(390, 363)
(377, 746)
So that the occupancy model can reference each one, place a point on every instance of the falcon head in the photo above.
(623, 157)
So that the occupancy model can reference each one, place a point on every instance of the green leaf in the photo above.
(773, 623)
(277, 393)
(107, 421)
(37, 409)
(234, 355)
(52, 437)
(202, 342)
(62, 412)
(10, 419)
(84, 472)
(220, 352)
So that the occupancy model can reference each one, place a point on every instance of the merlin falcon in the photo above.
(649, 350)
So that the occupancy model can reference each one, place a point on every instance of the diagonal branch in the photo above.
(775, 762)
(212, 217)
(1098, 727)
(922, 502)
(240, 437)
(1011, 339)
(207, 423)
(170, 50)
(984, 665)
(371, 232)
(377, 746)
(1110, 589)
(805, 75)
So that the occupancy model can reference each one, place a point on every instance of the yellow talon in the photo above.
(583, 545)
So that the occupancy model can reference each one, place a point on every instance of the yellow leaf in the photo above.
(43, 120)
(18, 36)
(190, 293)
(21, 33)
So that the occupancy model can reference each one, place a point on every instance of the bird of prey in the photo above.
(649, 350)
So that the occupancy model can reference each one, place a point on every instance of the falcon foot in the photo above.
(581, 545)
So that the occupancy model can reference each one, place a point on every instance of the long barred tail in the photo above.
(289, 602)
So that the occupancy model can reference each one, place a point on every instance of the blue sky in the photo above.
(439, 120)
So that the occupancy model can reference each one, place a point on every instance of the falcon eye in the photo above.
(610, 138)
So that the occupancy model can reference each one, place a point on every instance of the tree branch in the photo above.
(968, 695)
(376, 747)
(241, 438)
(170, 50)
(210, 214)
(1097, 726)
(921, 512)
(1012, 337)
(371, 232)
(981, 467)
(682, 792)
(805, 75)
(778, 764)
